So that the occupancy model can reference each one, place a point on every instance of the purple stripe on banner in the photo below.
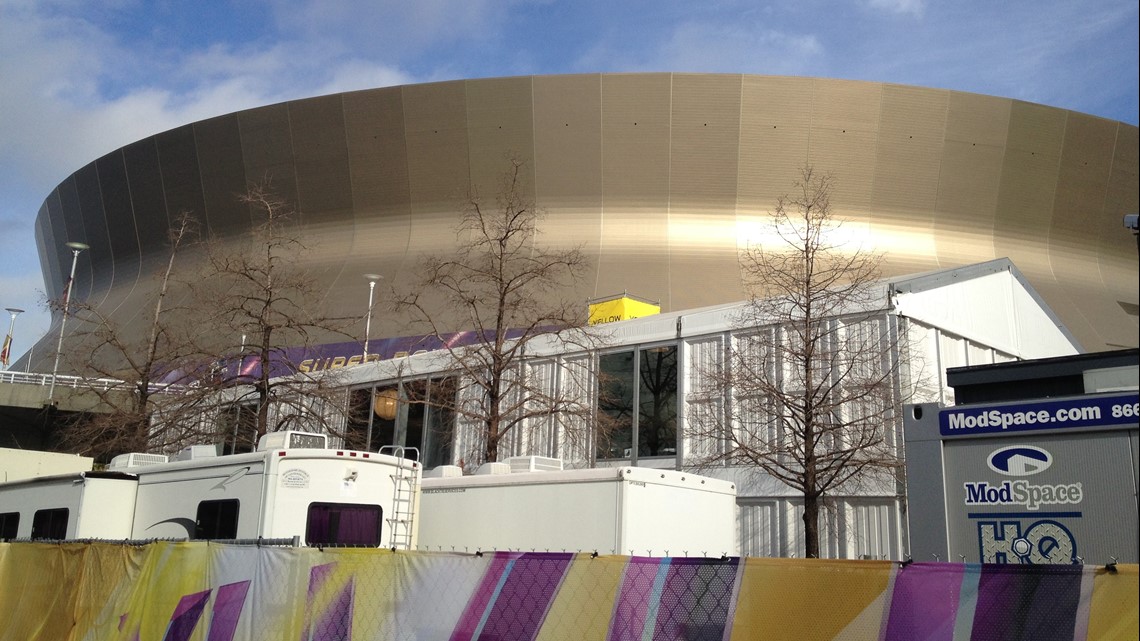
(1028, 602)
(318, 575)
(336, 624)
(631, 607)
(227, 610)
(185, 616)
(924, 602)
(695, 599)
(481, 599)
(525, 598)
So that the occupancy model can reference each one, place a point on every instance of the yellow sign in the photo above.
(619, 308)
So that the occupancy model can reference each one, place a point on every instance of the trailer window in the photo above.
(50, 524)
(9, 525)
(217, 520)
(343, 524)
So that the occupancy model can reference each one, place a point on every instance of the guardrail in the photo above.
(78, 382)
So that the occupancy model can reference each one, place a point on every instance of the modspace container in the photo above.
(624, 510)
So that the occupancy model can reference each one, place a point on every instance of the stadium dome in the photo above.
(660, 177)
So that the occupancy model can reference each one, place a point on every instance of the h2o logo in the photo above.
(1042, 542)
(1019, 460)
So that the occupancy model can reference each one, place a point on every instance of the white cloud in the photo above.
(912, 7)
(714, 47)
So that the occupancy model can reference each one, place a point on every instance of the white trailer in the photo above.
(290, 487)
(624, 510)
(87, 505)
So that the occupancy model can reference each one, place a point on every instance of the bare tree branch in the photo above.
(506, 287)
(809, 383)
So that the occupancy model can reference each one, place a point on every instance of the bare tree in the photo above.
(810, 380)
(507, 289)
(142, 385)
(257, 292)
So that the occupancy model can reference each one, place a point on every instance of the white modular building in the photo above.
(637, 511)
(647, 383)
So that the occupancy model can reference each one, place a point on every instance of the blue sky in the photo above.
(80, 78)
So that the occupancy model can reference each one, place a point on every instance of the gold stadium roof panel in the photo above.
(661, 178)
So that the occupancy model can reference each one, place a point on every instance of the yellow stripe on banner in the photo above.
(35, 578)
(169, 572)
(1113, 614)
(585, 601)
(805, 599)
(107, 580)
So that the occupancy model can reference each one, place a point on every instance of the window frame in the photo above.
(9, 525)
(334, 521)
(198, 516)
(636, 401)
(51, 515)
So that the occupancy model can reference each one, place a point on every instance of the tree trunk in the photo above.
(811, 526)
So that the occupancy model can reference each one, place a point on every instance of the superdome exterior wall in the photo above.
(660, 177)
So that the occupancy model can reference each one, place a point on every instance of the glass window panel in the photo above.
(50, 524)
(657, 400)
(385, 406)
(416, 394)
(440, 423)
(9, 525)
(615, 402)
(216, 520)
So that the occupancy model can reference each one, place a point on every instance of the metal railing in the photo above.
(80, 382)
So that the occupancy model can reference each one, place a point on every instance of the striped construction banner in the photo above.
(209, 592)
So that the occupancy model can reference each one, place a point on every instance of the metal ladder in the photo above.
(405, 488)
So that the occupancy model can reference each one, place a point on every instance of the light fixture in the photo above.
(75, 248)
(372, 278)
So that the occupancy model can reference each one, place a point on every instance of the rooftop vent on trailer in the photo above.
(135, 459)
(196, 452)
(535, 464)
(293, 440)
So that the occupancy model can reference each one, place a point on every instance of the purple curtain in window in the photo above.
(343, 524)
(359, 525)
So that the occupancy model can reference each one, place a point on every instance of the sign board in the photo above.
(620, 308)
(1069, 413)
(1042, 499)
(1044, 481)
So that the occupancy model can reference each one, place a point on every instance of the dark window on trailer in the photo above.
(217, 520)
(9, 525)
(343, 524)
(50, 524)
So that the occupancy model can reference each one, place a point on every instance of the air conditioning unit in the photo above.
(444, 472)
(534, 464)
(292, 440)
(196, 452)
(135, 459)
(487, 469)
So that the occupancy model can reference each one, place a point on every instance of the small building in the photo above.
(925, 324)
(1036, 462)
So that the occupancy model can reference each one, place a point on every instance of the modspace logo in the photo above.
(1020, 460)
(1016, 536)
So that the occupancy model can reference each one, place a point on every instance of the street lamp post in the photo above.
(372, 278)
(75, 249)
(11, 333)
